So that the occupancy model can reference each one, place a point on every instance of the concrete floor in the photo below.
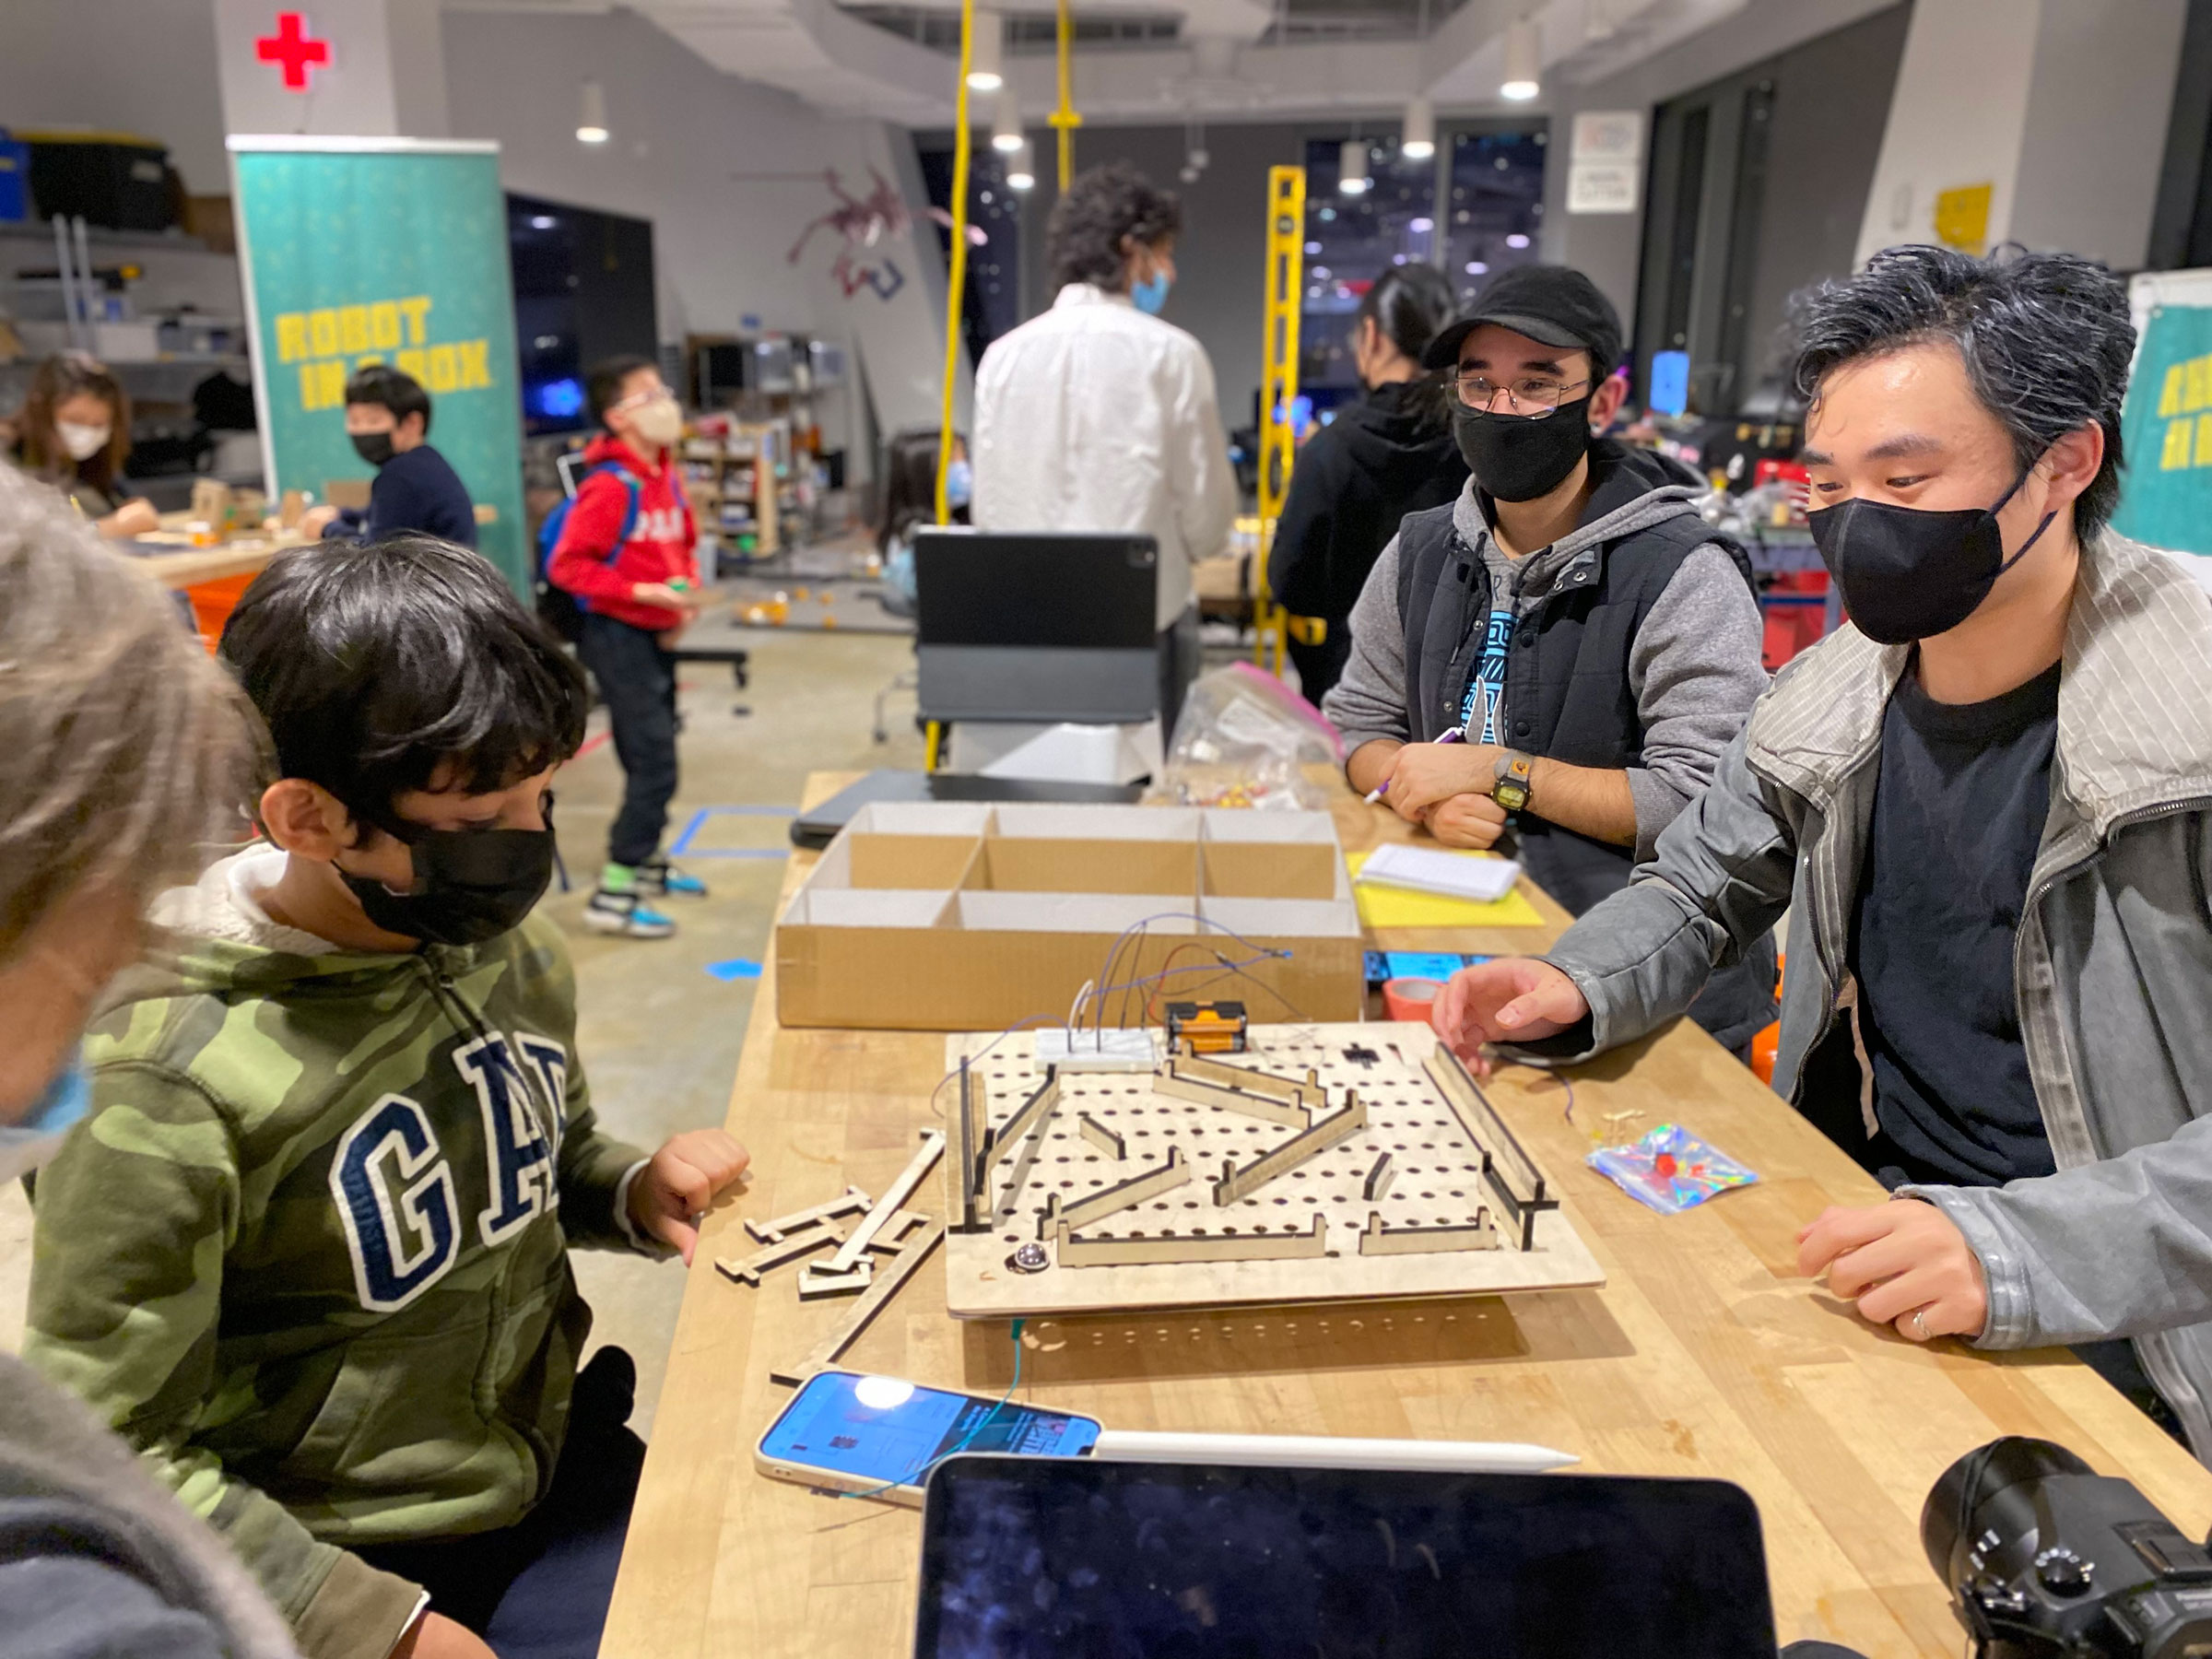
(658, 1035)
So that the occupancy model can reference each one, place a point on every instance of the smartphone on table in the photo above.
(849, 1431)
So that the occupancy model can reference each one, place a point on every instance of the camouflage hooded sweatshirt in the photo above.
(309, 1252)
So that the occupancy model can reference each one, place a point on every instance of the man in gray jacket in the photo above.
(1986, 802)
(1567, 647)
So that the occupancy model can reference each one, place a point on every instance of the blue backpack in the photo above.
(561, 610)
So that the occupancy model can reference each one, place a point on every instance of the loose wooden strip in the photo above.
(1072, 1251)
(972, 1155)
(1236, 1184)
(774, 1232)
(786, 1249)
(873, 1301)
(817, 1281)
(933, 1144)
(1099, 1205)
(1106, 1140)
(1379, 1180)
(1378, 1239)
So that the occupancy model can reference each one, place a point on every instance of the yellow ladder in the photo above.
(1278, 386)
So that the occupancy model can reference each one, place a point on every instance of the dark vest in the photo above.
(1567, 694)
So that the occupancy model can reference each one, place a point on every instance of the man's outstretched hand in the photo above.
(683, 1179)
(1513, 999)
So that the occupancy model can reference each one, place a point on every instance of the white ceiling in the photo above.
(1230, 59)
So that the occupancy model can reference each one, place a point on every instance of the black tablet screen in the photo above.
(1094, 1560)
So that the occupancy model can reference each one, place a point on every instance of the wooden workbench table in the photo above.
(1703, 1355)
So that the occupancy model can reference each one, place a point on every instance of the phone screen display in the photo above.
(886, 1430)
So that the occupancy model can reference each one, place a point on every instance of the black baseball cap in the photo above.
(1556, 305)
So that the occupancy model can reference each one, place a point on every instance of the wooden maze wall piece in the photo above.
(816, 1281)
(1380, 1179)
(1511, 1174)
(1108, 1141)
(873, 1301)
(1071, 1252)
(1236, 1184)
(1113, 1199)
(1030, 1116)
(972, 1140)
(887, 1206)
(1257, 1094)
(785, 1249)
(1378, 1239)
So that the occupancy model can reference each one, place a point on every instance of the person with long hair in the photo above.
(75, 433)
(1387, 455)
(910, 504)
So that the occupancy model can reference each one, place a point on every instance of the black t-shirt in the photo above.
(1958, 815)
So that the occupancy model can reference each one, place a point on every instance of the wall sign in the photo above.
(2166, 429)
(1605, 164)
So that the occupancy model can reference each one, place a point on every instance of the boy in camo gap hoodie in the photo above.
(309, 1253)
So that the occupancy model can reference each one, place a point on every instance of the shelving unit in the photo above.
(731, 477)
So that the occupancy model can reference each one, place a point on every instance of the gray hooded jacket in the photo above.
(2113, 965)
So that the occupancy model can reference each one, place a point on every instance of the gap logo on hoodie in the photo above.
(394, 1190)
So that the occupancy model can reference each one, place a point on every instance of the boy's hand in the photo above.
(665, 598)
(434, 1636)
(1897, 1260)
(1421, 774)
(1467, 820)
(680, 1183)
(316, 520)
(1513, 999)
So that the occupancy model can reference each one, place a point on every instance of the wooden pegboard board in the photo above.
(1438, 1181)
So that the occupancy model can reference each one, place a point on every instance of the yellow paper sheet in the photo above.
(1403, 907)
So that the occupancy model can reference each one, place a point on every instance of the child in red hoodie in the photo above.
(636, 593)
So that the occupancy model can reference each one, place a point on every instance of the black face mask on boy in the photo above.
(470, 885)
(372, 447)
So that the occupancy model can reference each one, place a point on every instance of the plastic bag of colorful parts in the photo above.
(1670, 1169)
(1243, 739)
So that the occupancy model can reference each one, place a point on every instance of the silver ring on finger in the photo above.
(1920, 1326)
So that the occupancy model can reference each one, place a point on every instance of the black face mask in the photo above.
(1908, 574)
(470, 885)
(372, 447)
(1517, 459)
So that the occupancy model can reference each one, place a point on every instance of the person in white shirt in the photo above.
(1099, 415)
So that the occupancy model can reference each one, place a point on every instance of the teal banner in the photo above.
(385, 251)
(2166, 427)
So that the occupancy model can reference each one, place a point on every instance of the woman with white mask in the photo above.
(75, 433)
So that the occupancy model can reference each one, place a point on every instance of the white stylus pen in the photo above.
(1327, 1451)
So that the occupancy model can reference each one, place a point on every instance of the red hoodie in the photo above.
(661, 546)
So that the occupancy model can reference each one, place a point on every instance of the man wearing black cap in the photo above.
(1566, 649)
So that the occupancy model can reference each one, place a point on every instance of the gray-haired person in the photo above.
(123, 750)
(1988, 803)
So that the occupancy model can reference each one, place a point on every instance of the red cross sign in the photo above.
(290, 47)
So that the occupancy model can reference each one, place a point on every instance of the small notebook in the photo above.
(1454, 875)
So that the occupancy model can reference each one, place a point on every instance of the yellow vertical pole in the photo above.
(1064, 119)
(956, 289)
(1278, 386)
(956, 284)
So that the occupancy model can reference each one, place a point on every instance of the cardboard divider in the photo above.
(954, 917)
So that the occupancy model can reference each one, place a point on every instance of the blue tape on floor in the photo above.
(682, 848)
(736, 968)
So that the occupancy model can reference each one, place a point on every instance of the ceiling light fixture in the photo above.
(1021, 171)
(1006, 130)
(1420, 141)
(1523, 60)
(1351, 167)
(985, 63)
(591, 122)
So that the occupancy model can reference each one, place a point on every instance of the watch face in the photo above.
(1512, 797)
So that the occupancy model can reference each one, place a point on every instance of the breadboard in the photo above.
(1437, 1185)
